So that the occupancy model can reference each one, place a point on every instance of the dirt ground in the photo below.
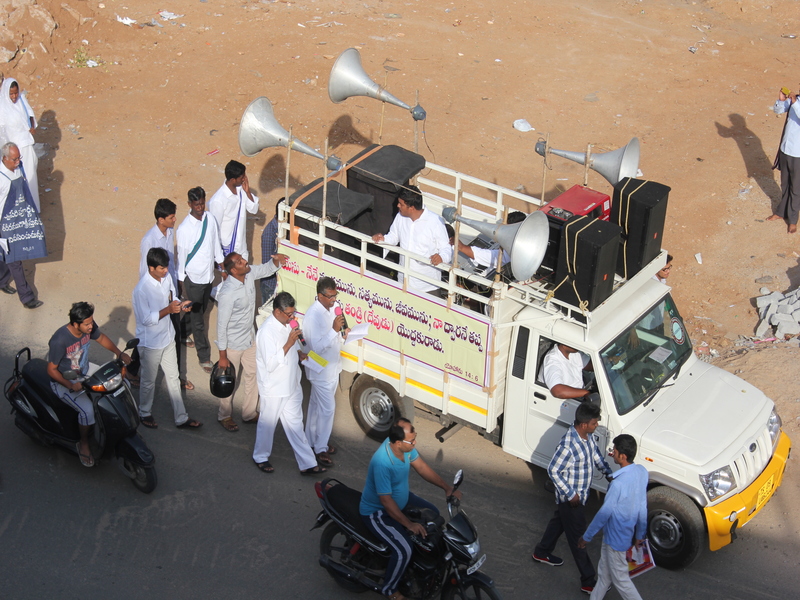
(694, 81)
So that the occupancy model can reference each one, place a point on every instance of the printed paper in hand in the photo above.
(358, 332)
(314, 362)
(640, 560)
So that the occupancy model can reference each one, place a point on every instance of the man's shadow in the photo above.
(757, 163)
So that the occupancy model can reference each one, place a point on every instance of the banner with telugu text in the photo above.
(415, 324)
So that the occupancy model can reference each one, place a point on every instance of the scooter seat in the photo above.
(34, 373)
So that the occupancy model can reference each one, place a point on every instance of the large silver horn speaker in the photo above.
(348, 78)
(525, 242)
(259, 129)
(615, 165)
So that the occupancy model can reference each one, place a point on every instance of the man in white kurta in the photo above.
(230, 205)
(420, 231)
(325, 333)
(278, 353)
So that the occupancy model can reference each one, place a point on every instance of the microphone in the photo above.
(338, 311)
(294, 325)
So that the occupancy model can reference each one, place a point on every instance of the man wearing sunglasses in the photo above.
(386, 496)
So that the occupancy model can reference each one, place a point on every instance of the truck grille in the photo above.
(750, 463)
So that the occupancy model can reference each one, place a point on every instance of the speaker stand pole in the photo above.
(383, 107)
(544, 165)
(286, 186)
(321, 241)
(587, 164)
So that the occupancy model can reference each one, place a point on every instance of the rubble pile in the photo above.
(781, 311)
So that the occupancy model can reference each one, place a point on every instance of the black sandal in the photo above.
(148, 421)
(314, 471)
(266, 467)
(190, 424)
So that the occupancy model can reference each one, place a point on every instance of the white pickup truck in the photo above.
(712, 443)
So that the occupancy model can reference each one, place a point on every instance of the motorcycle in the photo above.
(49, 421)
(444, 564)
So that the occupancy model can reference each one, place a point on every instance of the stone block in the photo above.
(787, 328)
(762, 301)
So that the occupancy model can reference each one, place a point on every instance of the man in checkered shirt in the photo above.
(571, 472)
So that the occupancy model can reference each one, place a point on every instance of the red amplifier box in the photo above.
(576, 201)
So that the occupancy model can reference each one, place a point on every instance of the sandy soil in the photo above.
(146, 121)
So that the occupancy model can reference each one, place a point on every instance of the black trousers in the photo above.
(790, 188)
(200, 295)
(15, 270)
(570, 520)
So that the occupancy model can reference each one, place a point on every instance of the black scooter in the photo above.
(48, 420)
(443, 565)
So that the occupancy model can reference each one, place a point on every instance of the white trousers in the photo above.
(613, 568)
(321, 408)
(289, 410)
(165, 358)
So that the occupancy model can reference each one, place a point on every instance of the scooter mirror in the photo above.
(70, 375)
(132, 343)
(458, 478)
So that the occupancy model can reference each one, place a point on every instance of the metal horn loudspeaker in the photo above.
(614, 166)
(348, 78)
(525, 242)
(259, 129)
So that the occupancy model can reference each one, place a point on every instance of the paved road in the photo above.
(218, 528)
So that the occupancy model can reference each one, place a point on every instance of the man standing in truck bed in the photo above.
(571, 472)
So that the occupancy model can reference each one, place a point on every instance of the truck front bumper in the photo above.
(724, 518)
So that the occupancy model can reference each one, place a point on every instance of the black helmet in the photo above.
(223, 380)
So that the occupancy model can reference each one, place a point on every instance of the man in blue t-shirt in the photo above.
(386, 495)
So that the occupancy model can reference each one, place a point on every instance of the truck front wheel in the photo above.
(675, 528)
(375, 405)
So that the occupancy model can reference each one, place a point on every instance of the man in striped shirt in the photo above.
(571, 472)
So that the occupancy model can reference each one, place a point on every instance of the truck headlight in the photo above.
(774, 425)
(718, 483)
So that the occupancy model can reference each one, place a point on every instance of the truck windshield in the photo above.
(640, 360)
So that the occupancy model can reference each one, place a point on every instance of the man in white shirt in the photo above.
(788, 161)
(236, 334)
(198, 251)
(162, 235)
(278, 355)
(14, 190)
(325, 333)
(153, 301)
(420, 231)
(230, 205)
(562, 371)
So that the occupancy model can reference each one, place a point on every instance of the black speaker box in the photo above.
(639, 207)
(587, 258)
(382, 174)
(343, 206)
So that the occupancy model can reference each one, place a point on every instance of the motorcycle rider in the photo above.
(69, 350)
(386, 495)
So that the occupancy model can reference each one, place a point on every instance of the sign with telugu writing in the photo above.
(415, 324)
(20, 225)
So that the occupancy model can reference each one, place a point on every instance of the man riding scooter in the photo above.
(386, 495)
(69, 351)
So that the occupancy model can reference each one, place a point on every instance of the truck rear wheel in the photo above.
(375, 405)
(675, 528)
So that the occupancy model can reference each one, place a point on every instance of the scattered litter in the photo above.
(698, 257)
(168, 16)
(101, 5)
(48, 189)
(720, 43)
(92, 63)
(497, 60)
(126, 20)
(523, 125)
(116, 189)
(639, 173)
(214, 151)
(329, 24)
(692, 49)
(392, 16)
(789, 36)
(301, 25)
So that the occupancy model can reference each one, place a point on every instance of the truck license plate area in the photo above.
(765, 492)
